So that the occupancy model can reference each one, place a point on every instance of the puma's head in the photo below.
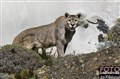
(73, 21)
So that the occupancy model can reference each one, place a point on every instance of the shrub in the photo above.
(14, 59)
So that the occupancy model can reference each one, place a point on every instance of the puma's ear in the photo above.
(79, 15)
(66, 15)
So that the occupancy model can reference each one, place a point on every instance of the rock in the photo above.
(110, 57)
(81, 61)
(97, 72)
(116, 61)
(95, 58)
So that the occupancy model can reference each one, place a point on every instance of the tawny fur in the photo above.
(58, 33)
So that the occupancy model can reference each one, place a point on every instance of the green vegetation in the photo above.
(17, 60)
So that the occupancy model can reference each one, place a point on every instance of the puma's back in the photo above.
(42, 34)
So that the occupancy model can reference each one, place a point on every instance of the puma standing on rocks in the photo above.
(58, 33)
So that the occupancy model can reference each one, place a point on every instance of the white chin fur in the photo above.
(74, 26)
(72, 30)
(70, 26)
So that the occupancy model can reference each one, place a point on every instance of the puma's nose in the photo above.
(72, 24)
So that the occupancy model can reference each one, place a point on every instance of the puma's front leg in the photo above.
(65, 46)
(60, 40)
(60, 49)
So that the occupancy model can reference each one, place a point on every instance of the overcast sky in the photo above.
(61, 0)
(18, 16)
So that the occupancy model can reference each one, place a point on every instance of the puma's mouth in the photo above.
(72, 29)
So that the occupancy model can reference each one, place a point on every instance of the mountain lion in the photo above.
(58, 33)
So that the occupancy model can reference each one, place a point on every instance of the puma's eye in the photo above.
(69, 21)
(75, 20)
